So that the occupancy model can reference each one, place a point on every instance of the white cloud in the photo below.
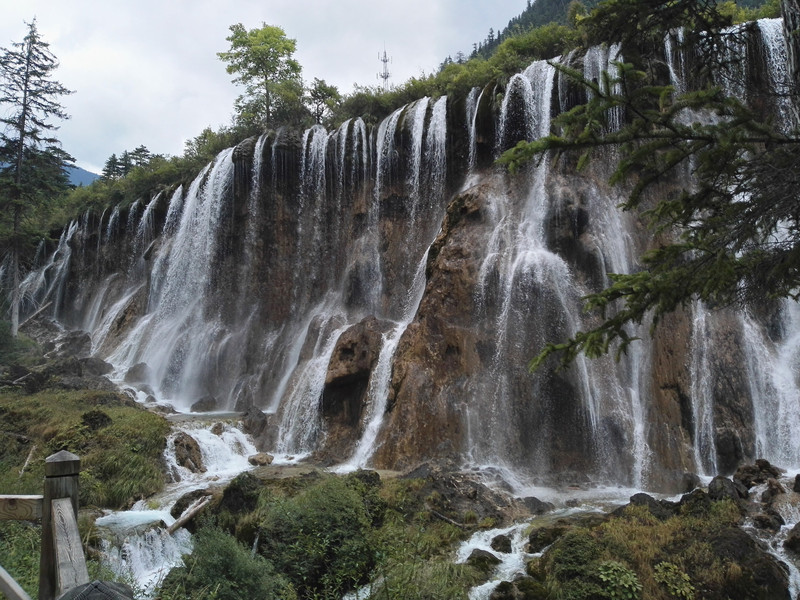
(146, 71)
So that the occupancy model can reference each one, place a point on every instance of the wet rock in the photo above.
(796, 486)
(501, 543)
(536, 506)
(483, 560)
(761, 572)
(760, 472)
(541, 537)
(522, 588)
(774, 489)
(769, 520)
(261, 459)
(696, 502)
(205, 404)
(186, 501)
(96, 366)
(661, 509)
(722, 488)
(254, 421)
(346, 385)
(146, 389)
(792, 541)
(188, 454)
(217, 429)
(138, 373)
(74, 344)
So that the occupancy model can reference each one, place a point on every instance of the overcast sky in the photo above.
(146, 71)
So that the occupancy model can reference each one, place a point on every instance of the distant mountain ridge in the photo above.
(79, 177)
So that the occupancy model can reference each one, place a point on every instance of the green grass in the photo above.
(120, 462)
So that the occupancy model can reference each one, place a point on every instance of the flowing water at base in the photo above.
(137, 544)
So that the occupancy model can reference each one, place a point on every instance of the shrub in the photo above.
(320, 539)
(223, 569)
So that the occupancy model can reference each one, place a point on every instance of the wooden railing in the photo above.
(62, 565)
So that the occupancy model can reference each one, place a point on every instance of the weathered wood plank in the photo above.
(10, 588)
(70, 563)
(61, 481)
(20, 508)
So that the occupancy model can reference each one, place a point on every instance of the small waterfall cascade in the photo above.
(774, 380)
(705, 453)
(137, 544)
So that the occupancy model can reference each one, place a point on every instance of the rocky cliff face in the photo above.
(379, 293)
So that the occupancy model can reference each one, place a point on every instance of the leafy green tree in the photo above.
(262, 61)
(731, 229)
(323, 98)
(33, 163)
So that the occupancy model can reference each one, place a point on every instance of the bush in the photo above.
(19, 551)
(222, 569)
(320, 539)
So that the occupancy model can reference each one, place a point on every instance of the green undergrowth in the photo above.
(20, 542)
(321, 536)
(636, 555)
(120, 444)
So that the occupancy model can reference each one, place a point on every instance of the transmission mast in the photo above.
(384, 74)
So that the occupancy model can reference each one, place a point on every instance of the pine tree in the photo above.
(732, 231)
(33, 162)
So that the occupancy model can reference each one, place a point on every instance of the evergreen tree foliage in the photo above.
(33, 164)
(717, 180)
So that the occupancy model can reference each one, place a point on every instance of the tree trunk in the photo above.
(15, 293)
(15, 279)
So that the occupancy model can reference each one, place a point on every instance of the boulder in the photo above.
(792, 541)
(261, 459)
(722, 488)
(774, 488)
(541, 537)
(254, 421)
(74, 344)
(501, 543)
(536, 506)
(188, 454)
(769, 520)
(96, 366)
(796, 486)
(218, 428)
(661, 509)
(522, 588)
(205, 404)
(138, 373)
(186, 501)
(483, 560)
(760, 472)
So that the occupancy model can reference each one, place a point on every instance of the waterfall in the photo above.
(238, 287)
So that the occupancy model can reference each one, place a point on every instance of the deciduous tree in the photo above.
(262, 60)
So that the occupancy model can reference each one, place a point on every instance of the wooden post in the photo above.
(61, 481)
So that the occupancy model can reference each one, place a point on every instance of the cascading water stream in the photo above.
(137, 544)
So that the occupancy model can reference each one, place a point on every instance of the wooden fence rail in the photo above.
(62, 565)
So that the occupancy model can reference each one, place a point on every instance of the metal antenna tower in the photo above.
(385, 73)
